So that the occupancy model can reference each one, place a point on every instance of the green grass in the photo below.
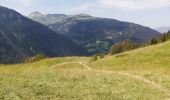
(63, 79)
(152, 63)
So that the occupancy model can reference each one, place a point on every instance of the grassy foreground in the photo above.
(142, 74)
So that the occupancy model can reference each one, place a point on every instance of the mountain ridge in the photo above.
(46, 19)
(21, 37)
(35, 14)
(98, 34)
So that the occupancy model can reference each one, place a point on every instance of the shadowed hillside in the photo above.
(21, 37)
(94, 33)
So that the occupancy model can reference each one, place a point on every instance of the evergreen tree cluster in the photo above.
(160, 39)
(123, 46)
(130, 45)
(11, 60)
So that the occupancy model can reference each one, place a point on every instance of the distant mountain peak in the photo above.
(82, 16)
(35, 14)
(56, 15)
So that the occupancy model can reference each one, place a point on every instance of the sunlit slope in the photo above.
(147, 58)
(152, 63)
(142, 74)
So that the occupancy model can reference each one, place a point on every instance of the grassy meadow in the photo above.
(142, 74)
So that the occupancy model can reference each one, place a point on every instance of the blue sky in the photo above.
(152, 13)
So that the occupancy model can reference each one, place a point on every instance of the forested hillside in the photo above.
(21, 37)
(94, 33)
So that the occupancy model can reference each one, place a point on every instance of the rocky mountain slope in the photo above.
(46, 19)
(98, 34)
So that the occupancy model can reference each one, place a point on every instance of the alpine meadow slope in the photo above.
(84, 57)
(141, 74)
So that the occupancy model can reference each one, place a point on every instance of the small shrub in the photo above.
(101, 56)
(121, 55)
(123, 46)
(94, 58)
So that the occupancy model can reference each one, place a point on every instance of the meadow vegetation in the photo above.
(141, 74)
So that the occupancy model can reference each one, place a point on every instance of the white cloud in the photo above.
(18, 5)
(23, 2)
(130, 5)
(80, 8)
(18, 2)
(26, 2)
(134, 4)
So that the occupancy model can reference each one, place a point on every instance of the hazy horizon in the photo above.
(151, 13)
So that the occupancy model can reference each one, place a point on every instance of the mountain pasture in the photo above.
(142, 74)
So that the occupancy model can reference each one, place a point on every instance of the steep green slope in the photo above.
(142, 74)
(152, 63)
(155, 56)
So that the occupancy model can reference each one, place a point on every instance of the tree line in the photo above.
(115, 49)
(19, 59)
(160, 39)
(130, 45)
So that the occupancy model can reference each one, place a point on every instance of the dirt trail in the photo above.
(85, 66)
(137, 77)
(82, 64)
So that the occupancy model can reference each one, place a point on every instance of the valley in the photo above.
(84, 50)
